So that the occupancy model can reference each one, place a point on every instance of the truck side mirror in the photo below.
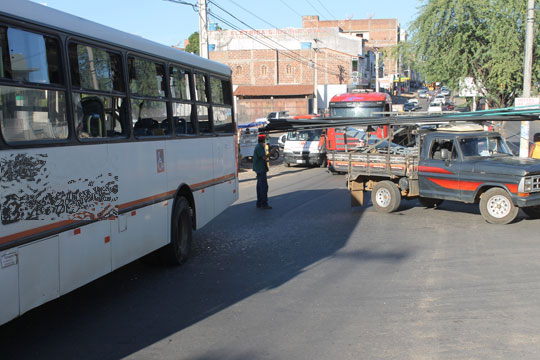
(445, 154)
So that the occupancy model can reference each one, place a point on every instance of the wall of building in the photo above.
(288, 39)
(247, 110)
(379, 33)
(271, 67)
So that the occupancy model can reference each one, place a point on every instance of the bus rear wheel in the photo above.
(179, 248)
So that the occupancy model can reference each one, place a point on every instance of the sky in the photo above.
(169, 23)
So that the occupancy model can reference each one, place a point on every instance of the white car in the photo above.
(414, 101)
(445, 91)
(423, 94)
(439, 99)
(435, 107)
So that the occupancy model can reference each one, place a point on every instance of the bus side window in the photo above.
(37, 113)
(99, 115)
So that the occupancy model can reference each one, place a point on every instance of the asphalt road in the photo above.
(310, 279)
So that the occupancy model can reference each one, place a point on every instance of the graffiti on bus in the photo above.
(28, 192)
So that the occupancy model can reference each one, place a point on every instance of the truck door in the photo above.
(439, 177)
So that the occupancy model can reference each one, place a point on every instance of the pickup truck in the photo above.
(463, 164)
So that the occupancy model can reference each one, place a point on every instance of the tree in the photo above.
(478, 39)
(193, 46)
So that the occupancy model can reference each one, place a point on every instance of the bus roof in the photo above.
(59, 20)
(362, 96)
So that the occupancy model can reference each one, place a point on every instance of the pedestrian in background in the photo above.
(261, 168)
(534, 151)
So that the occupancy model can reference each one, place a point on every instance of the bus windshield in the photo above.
(355, 111)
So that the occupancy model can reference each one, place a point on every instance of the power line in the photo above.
(292, 56)
(194, 6)
(313, 7)
(266, 22)
(287, 5)
(324, 7)
(306, 61)
(278, 29)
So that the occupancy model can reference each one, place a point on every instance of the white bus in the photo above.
(111, 147)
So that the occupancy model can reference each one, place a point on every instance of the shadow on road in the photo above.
(244, 251)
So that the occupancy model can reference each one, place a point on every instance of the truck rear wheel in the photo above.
(385, 197)
(430, 202)
(497, 208)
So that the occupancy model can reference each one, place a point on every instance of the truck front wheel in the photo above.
(496, 207)
(385, 197)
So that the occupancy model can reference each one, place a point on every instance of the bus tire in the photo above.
(177, 251)
(385, 197)
(430, 202)
(497, 207)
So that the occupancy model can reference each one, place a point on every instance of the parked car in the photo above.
(409, 107)
(434, 107)
(414, 101)
(439, 99)
(445, 91)
(423, 94)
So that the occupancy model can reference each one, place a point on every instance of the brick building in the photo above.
(322, 55)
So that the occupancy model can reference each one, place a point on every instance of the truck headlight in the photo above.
(525, 185)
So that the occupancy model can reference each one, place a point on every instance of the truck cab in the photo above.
(305, 147)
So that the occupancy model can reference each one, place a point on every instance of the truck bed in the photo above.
(373, 164)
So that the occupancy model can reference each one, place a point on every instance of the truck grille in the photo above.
(536, 183)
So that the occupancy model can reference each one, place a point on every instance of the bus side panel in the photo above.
(9, 278)
(85, 255)
(190, 161)
(142, 171)
(224, 166)
(138, 233)
(39, 273)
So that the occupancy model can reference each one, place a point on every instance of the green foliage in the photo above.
(481, 39)
(193, 46)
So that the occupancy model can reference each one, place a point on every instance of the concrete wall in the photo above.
(288, 39)
(247, 110)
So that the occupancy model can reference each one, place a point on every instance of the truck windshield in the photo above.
(355, 111)
(308, 135)
(484, 146)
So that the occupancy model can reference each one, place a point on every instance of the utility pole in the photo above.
(203, 30)
(527, 76)
(315, 92)
(377, 88)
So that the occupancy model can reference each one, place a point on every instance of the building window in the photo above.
(289, 69)
(264, 70)
(238, 70)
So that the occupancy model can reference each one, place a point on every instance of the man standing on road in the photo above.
(261, 168)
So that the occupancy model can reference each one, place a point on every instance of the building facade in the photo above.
(300, 69)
